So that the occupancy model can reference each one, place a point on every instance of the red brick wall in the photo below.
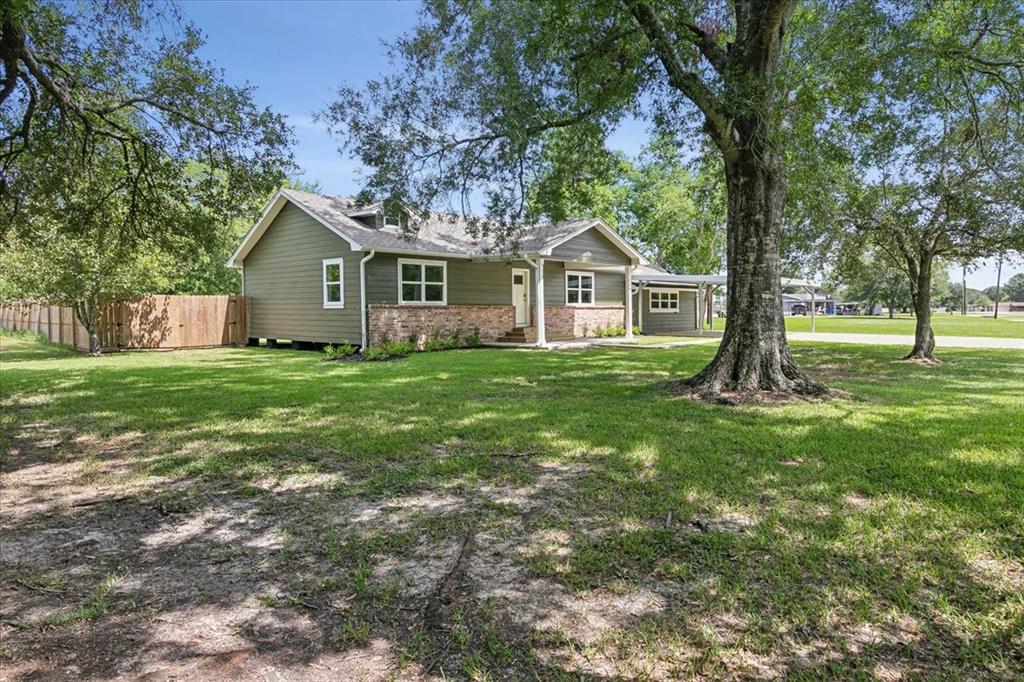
(589, 319)
(400, 322)
(581, 321)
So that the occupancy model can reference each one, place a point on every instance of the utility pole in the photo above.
(963, 310)
(999, 276)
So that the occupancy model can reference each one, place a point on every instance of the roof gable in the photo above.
(267, 217)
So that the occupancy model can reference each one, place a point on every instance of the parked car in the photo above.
(798, 309)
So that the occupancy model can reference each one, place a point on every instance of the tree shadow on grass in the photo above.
(271, 513)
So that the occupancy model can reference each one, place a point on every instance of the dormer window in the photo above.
(392, 221)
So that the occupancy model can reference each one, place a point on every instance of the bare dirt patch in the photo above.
(106, 573)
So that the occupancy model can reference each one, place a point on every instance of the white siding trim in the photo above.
(340, 262)
(420, 261)
(659, 291)
(593, 287)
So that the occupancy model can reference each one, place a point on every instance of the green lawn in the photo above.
(509, 514)
(943, 324)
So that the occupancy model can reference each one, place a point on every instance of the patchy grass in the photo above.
(497, 514)
(943, 324)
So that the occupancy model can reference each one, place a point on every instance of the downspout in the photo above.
(362, 295)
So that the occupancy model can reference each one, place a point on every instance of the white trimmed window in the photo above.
(579, 287)
(422, 282)
(392, 221)
(664, 301)
(334, 289)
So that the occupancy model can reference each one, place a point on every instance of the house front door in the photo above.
(521, 296)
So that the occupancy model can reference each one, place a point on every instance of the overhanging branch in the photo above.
(680, 76)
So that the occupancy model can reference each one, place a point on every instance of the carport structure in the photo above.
(646, 278)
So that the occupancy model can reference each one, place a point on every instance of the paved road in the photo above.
(906, 340)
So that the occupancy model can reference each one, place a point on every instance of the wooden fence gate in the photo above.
(144, 322)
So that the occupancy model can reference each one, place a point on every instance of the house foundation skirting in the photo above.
(419, 323)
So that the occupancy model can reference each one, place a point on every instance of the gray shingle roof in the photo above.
(437, 233)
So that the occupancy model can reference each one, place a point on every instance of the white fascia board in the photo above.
(413, 253)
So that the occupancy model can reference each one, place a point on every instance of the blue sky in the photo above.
(297, 53)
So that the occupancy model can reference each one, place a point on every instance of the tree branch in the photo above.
(712, 51)
(679, 75)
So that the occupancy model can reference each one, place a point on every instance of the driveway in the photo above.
(907, 340)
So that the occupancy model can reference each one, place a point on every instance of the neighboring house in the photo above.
(321, 269)
(823, 303)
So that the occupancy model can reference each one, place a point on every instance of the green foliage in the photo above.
(341, 350)
(389, 350)
(936, 139)
(674, 215)
(144, 165)
(440, 341)
(611, 331)
(90, 77)
(1014, 288)
(871, 278)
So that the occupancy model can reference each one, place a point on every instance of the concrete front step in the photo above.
(529, 335)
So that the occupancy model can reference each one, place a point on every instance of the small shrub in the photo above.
(341, 350)
(451, 342)
(433, 344)
(599, 332)
(397, 349)
(472, 340)
(374, 353)
(636, 330)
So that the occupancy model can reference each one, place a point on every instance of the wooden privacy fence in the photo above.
(143, 322)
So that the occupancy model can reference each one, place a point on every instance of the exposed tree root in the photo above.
(444, 596)
(770, 376)
(731, 396)
(921, 357)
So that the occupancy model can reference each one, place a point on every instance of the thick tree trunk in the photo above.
(921, 293)
(753, 356)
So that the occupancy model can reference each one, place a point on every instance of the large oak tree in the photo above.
(477, 85)
(120, 144)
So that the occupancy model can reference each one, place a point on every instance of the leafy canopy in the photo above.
(120, 86)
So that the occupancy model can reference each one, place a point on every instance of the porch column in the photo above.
(700, 309)
(629, 301)
(640, 306)
(538, 294)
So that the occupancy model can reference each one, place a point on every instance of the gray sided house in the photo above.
(322, 269)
